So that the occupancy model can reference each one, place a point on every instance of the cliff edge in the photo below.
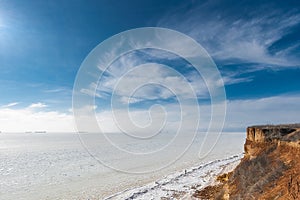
(270, 168)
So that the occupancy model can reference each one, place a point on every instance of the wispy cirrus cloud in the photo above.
(135, 79)
(10, 105)
(240, 32)
(57, 90)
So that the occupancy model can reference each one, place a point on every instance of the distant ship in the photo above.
(83, 132)
(40, 132)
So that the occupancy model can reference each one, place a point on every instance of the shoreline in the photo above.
(181, 184)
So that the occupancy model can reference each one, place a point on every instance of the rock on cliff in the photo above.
(270, 168)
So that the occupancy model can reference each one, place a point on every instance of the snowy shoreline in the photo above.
(181, 184)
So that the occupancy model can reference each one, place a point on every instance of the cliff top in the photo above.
(283, 132)
(297, 125)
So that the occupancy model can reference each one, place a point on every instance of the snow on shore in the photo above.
(181, 185)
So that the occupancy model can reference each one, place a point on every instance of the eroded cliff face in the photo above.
(259, 137)
(270, 168)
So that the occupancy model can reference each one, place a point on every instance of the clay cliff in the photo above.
(270, 168)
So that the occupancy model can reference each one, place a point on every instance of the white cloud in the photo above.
(133, 81)
(149, 81)
(155, 82)
(271, 110)
(240, 114)
(10, 105)
(38, 105)
(28, 119)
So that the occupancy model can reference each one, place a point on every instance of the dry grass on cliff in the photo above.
(273, 174)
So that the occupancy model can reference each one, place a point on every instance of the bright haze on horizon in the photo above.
(43, 43)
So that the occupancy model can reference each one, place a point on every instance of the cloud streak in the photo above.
(10, 105)
(135, 80)
(240, 114)
(239, 32)
(271, 110)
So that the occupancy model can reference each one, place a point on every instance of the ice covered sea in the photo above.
(58, 166)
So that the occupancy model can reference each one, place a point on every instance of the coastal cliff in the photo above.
(270, 168)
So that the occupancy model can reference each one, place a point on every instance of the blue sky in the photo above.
(256, 46)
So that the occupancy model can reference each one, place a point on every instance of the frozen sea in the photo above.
(87, 166)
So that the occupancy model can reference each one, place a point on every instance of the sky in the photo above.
(255, 45)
